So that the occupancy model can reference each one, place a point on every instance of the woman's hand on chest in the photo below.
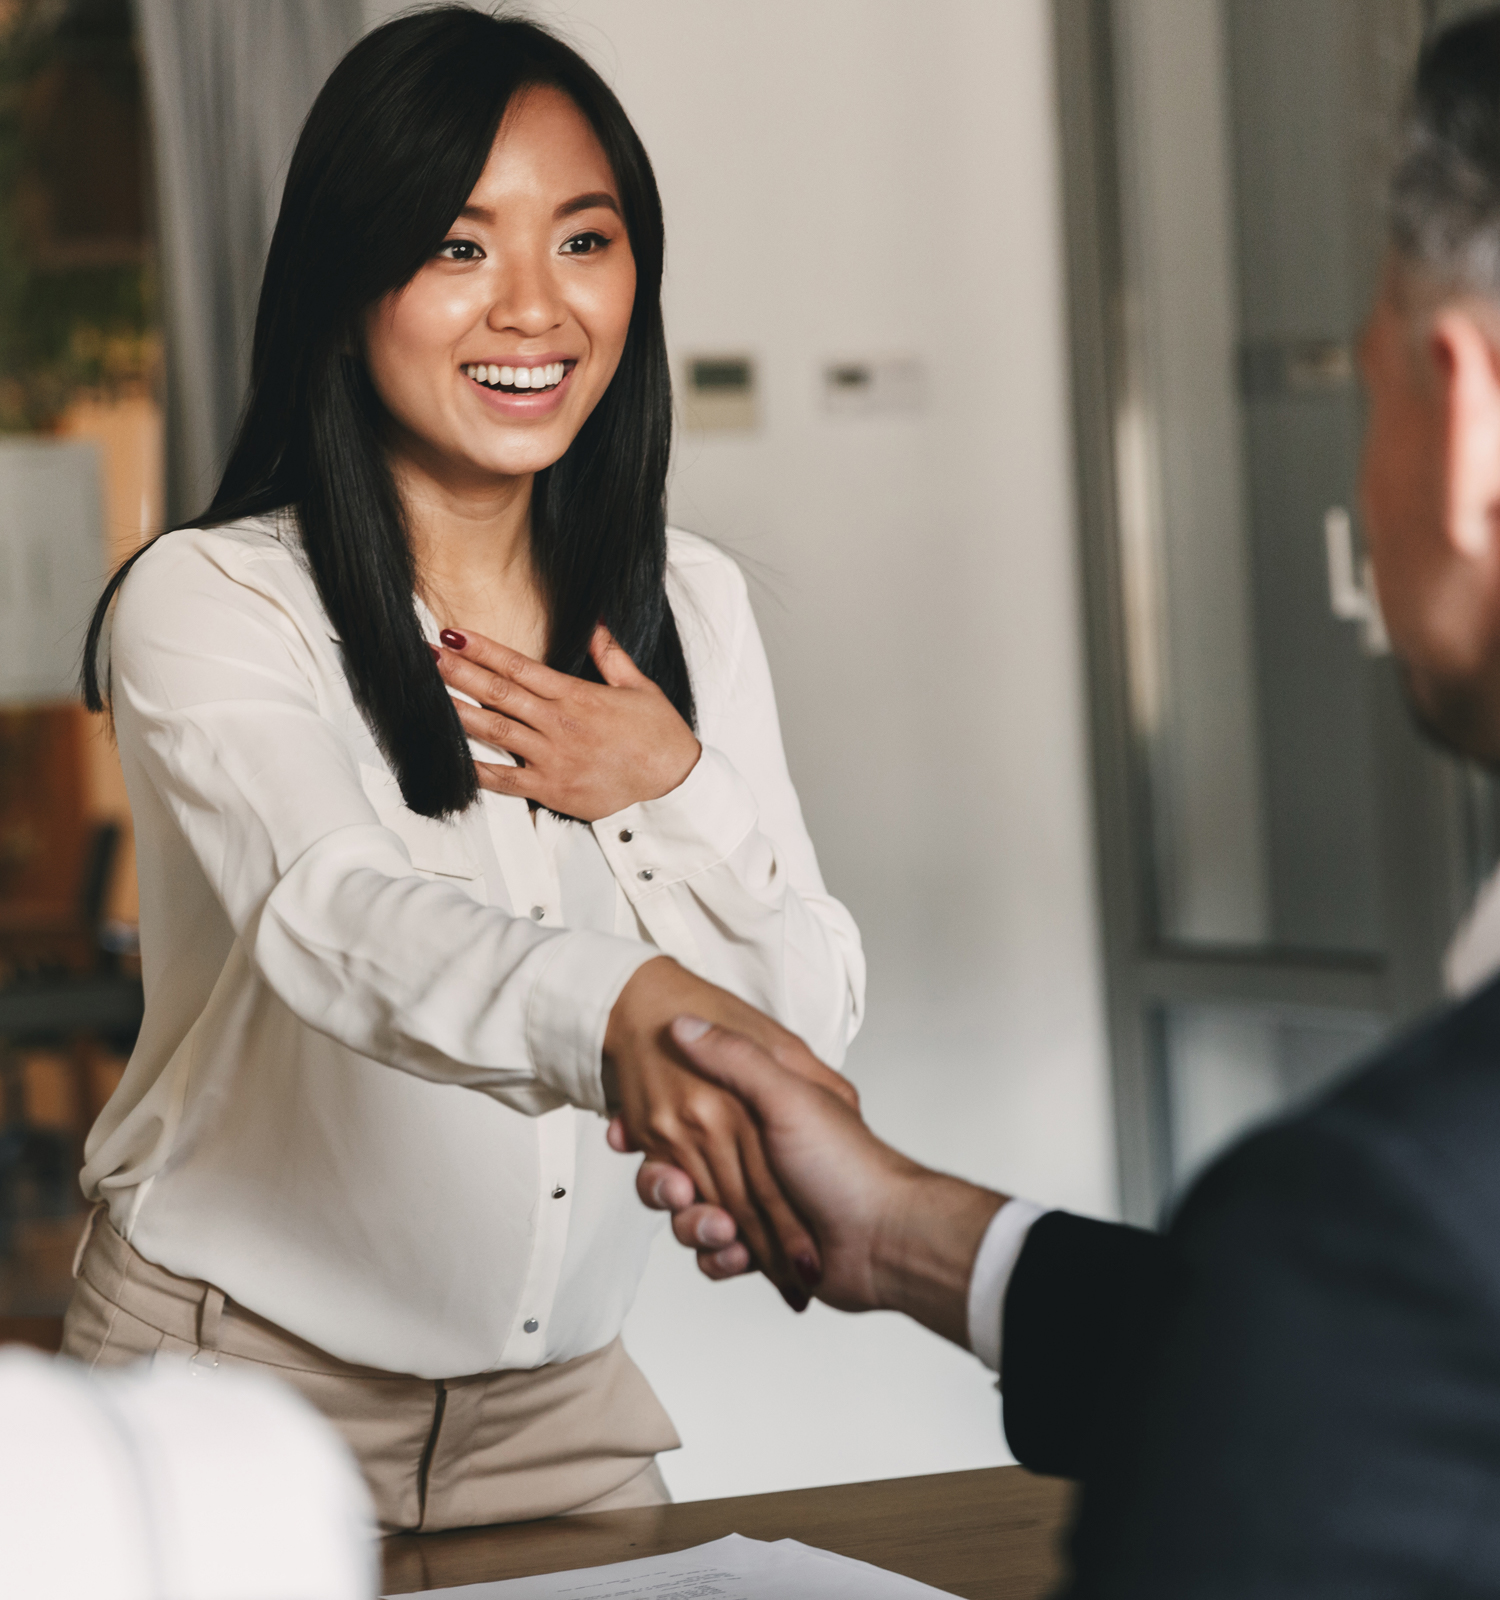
(589, 749)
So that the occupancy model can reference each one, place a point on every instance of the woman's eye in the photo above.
(584, 244)
(459, 250)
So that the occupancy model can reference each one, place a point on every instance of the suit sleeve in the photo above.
(1082, 1319)
(1316, 1410)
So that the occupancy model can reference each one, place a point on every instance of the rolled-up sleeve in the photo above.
(217, 700)
(724, 861)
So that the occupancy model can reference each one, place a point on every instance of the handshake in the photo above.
(760, 1154)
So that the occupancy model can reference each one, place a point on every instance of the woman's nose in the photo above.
(526, 300)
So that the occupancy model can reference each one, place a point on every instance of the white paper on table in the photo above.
(733, 1568)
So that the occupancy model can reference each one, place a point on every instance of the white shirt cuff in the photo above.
(656, 843)
(999, 1251)
(569, 1011)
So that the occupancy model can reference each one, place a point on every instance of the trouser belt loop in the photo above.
(86, 1235)
(209, 1313)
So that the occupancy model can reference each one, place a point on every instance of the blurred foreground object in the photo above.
(173, 1482)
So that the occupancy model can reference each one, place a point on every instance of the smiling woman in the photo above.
(456, 777)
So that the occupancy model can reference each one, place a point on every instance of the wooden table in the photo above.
(990, 1535)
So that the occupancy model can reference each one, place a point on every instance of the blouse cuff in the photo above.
(695, 826)
(569, 1011)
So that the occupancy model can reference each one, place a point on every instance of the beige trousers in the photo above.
(580, 1435)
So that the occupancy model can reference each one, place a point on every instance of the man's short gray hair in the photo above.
(1445, 189)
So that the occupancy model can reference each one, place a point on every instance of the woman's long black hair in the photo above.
(391, 150)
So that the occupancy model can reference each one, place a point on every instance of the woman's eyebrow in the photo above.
(482, 213)
(587, 202)
(569, 208)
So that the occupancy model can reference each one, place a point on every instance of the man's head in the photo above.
(1431, 358)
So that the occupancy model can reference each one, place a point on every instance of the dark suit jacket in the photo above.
(1295, 1390)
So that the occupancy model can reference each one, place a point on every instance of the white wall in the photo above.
(845, 178)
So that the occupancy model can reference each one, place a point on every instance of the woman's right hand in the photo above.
(676, 1116)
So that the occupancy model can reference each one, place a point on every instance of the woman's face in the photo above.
(490, 359)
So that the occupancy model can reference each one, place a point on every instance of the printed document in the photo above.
(728, 1569)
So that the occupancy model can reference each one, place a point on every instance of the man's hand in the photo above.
(892, 1234)
(678, 1117)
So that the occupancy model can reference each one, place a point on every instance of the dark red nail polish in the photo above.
(437, 655)
(453, 639)
(795, 1299)
(809, 1271)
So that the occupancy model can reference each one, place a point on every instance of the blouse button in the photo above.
(626, 836)
(531, 1325)
(538, 912)
(645, 874)
(558, 1192)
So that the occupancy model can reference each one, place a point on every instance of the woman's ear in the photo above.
(1467, 365)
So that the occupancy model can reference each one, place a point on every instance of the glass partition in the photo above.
(1282, 857)
(1249, 192)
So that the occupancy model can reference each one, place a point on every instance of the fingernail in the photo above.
(659, 1192)
(689, 1030)
(795, 1299)
(715, 1233)
(437, 655)
(808, 1270)
(453, 639)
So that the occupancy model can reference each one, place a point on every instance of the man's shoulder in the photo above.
(1417, 1125)
(1436, 1086)
(1448, 1058)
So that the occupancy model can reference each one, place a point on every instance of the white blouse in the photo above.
(329, 975)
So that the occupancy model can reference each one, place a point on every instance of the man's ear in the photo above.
(1468, 370)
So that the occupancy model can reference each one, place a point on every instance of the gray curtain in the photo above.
(230, 82)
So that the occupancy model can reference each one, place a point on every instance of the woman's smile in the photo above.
(532, 386)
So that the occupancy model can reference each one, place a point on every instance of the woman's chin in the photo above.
(471, 466)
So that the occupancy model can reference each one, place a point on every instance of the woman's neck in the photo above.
(471, 546)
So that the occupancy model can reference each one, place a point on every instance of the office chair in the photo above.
(68, 994)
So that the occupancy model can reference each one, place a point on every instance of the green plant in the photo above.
(76, 291)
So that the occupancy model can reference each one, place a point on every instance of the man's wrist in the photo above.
(923, 1255)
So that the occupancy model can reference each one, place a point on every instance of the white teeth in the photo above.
(547, 377)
